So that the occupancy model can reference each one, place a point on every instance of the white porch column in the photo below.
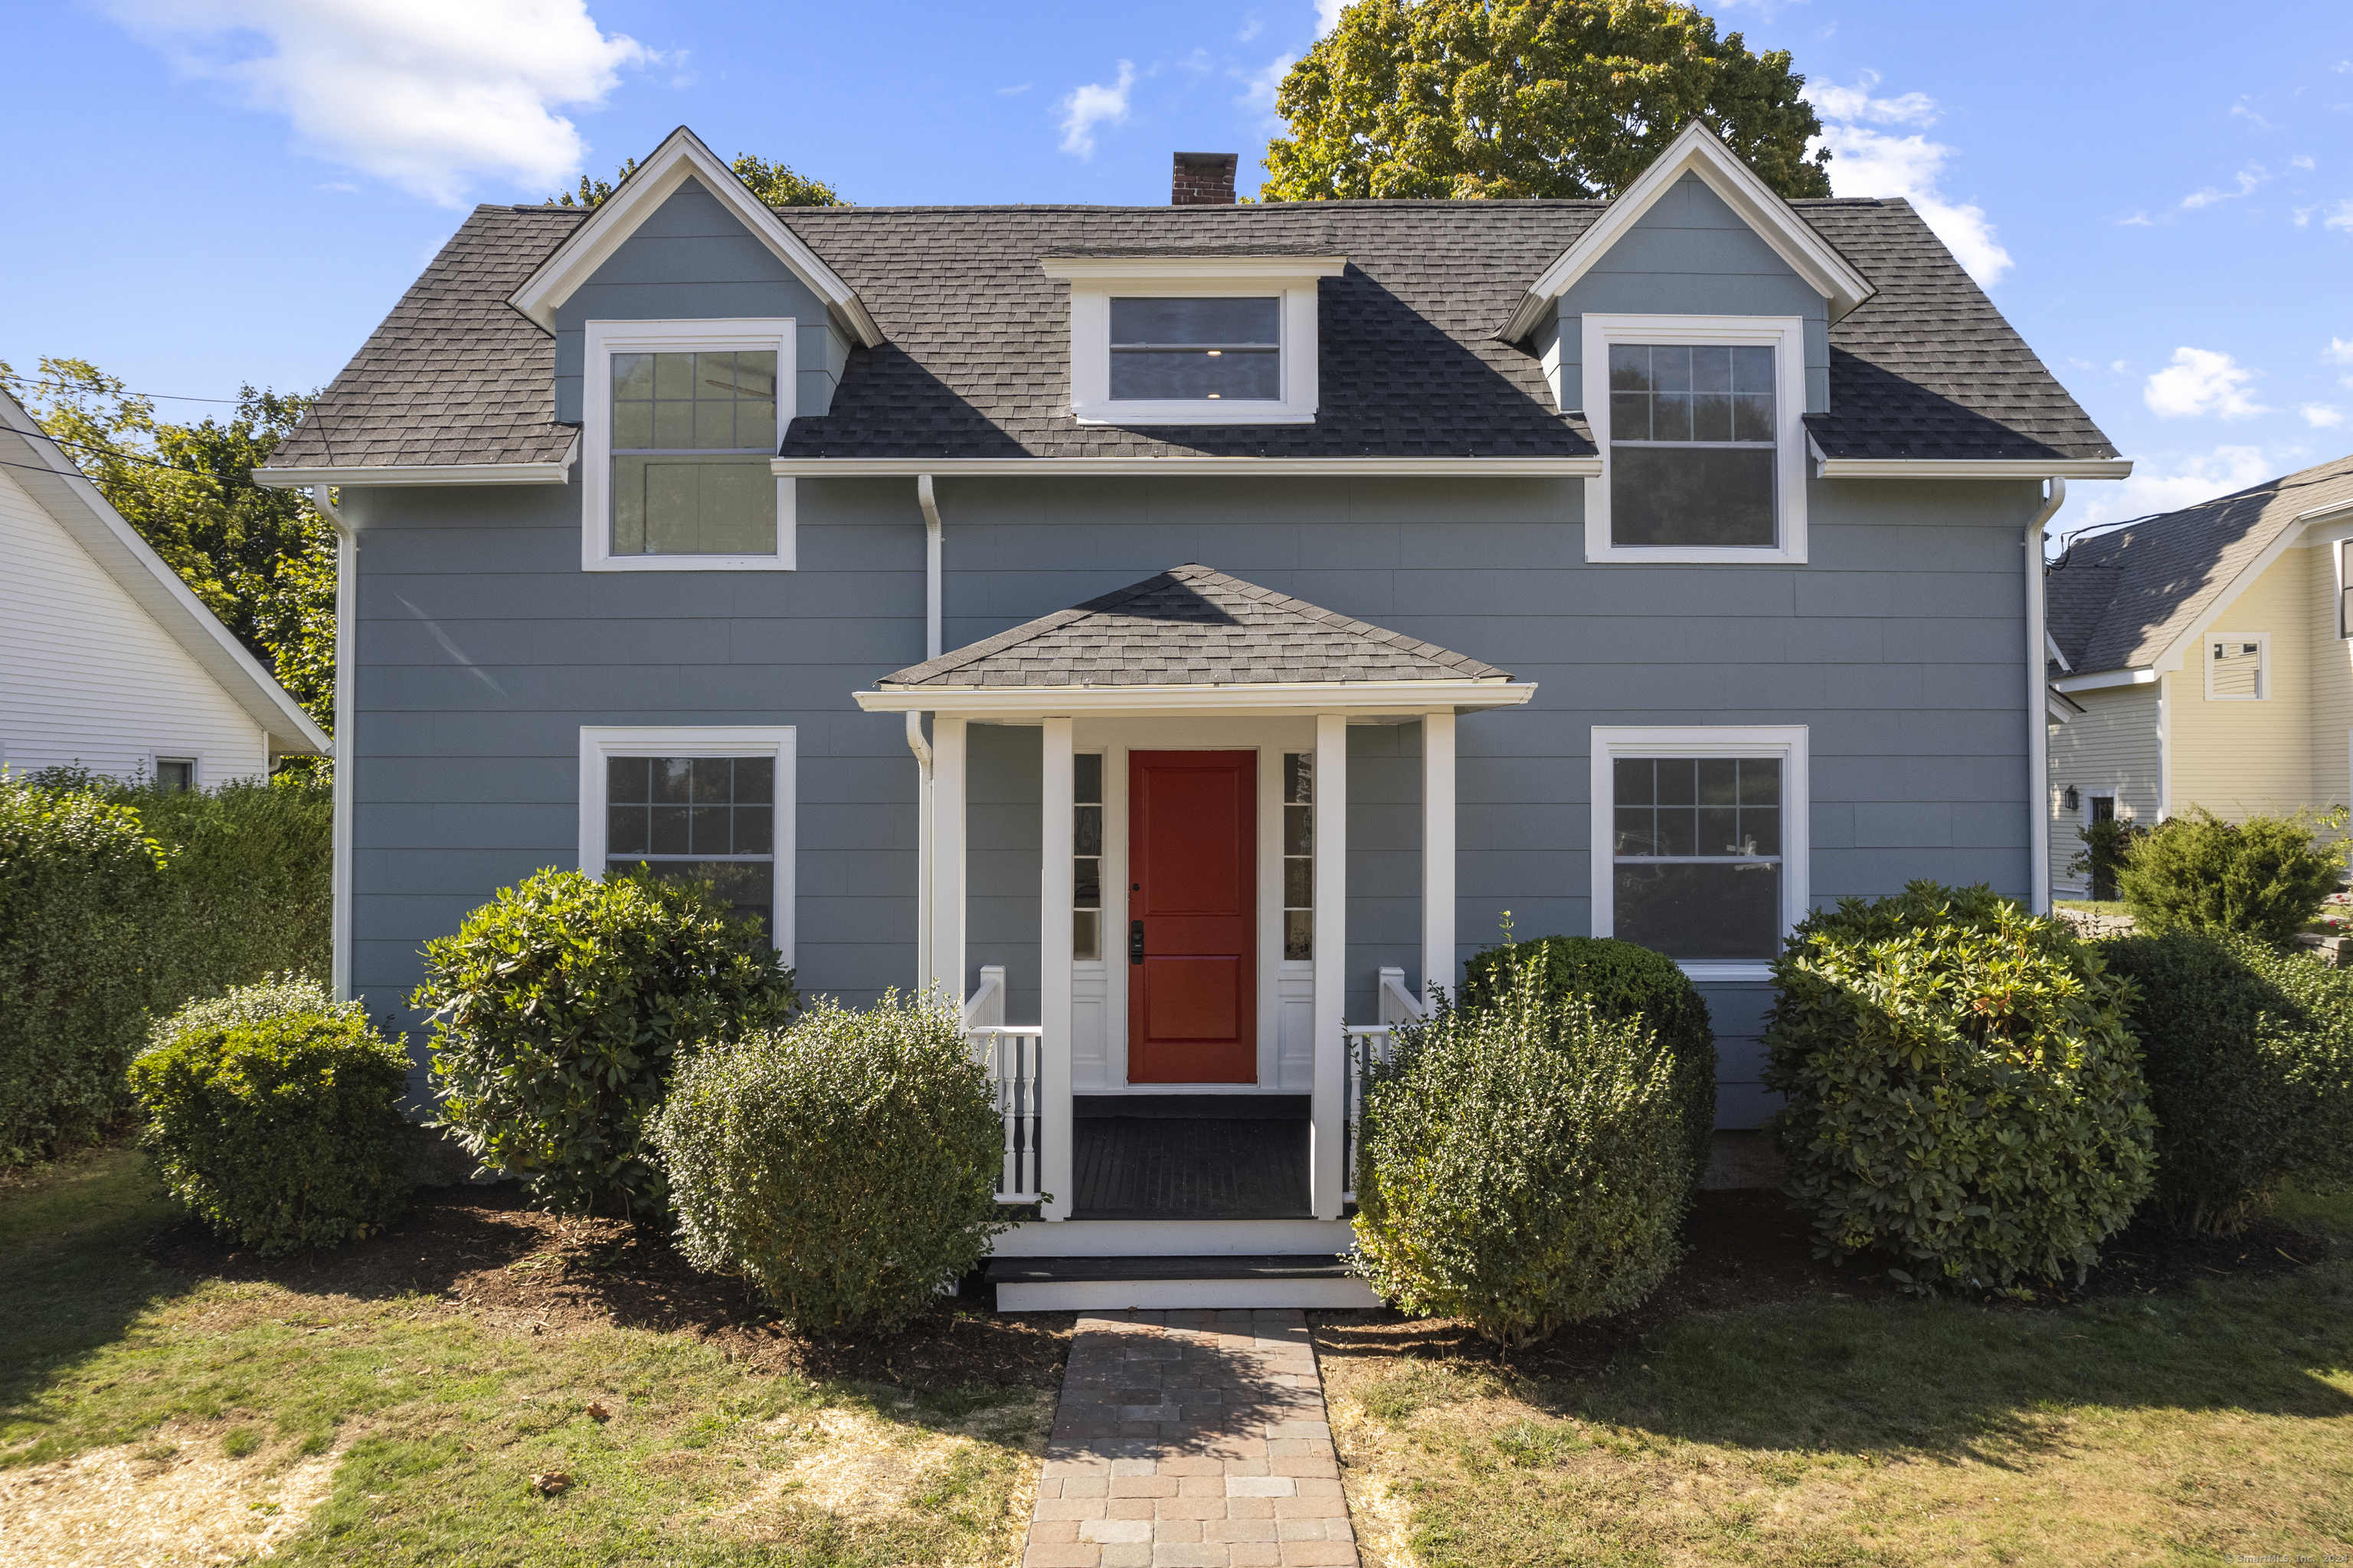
(947, 858)
(1437, 855)
(1055, 892)
(1326, 1180)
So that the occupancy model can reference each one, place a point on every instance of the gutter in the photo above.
(933, 540)
(347, 599)
(2038, 739)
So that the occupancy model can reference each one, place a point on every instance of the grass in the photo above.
(2213, 1426)
(436, 1423)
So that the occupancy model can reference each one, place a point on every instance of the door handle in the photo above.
(1135, 941)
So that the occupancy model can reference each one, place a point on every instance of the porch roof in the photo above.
(1193, 626)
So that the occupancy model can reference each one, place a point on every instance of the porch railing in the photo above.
(1367, 1045)
(1012, 1054)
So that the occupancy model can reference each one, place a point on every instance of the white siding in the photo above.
(2109, 748)
(87, 676)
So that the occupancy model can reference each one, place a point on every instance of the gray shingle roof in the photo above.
(2122, 599)
(1192, 626)
(976, 363)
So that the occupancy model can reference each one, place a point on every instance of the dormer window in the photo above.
(1193, 340)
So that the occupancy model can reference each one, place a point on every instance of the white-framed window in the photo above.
(709, 804)
(1700, 842)
(2238, 667)
(680, 421)
(2343, 553)
(1700, 420)
(1086, 856)
(175, 774)
(1219, 340)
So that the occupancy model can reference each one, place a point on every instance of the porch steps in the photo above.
(1229, 1280)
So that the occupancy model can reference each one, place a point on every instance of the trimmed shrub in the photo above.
(273, 1114)
(2263, 877)
(2249, 1055)
(1524, 1164)
(1963, 1089)
(250, 880)
(846, 1166)
(79, 883)
(1622, 981)
(559, 1010)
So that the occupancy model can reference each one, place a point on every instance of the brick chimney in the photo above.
(1202, 179)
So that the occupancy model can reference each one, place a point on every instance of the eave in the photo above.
(397, 476)
(1973, 468)
(1188, 466)
(1359, 698)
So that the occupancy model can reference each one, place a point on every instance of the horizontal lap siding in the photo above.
(2248, 758)
(2109, 748)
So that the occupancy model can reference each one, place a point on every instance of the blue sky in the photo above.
(209, 192)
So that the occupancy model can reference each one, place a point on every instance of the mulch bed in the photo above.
(482, 1250)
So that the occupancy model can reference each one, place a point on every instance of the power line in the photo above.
(111, 452)
(119, 392)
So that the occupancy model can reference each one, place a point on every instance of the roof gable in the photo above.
(681, 156)
(1193, 626)
(1698, 151)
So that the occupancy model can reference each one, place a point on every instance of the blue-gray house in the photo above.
(1182, 632)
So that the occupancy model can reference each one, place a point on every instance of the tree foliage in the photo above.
(1538, 97)
(262, 560)
(775, 183)
(2266, 876)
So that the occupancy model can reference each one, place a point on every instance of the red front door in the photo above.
(1192, 938)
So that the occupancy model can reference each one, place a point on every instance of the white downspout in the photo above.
(347, 593)
(915, 741)
(2038, 733)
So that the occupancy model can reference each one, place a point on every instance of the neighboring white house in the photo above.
(2205, 657)
(106, 658)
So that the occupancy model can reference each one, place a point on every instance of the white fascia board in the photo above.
(409, 475)
(66, 494)
(1182, 467)
(1238, 269)
(2050, 648)
(1974, 468)
(682, 155)
(1698, 150)
(1398, 698)
(2101, 680)
(2056, 705)
(2335, 512)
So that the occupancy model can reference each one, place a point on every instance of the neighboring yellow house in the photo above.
(2204, 657)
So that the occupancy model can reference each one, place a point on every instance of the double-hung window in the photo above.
(1221, 350)
(1699, 420)
(682, 419)
(1699, 843)
(695, 805)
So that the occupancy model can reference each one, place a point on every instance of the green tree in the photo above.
(1538, 97)
(262, 560)
(774, 184)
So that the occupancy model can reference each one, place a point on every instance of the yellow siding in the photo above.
(2240, 759)
(2109, 748)
(2332, 680)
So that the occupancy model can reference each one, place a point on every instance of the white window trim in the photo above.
(1787, 336)
(606, 339)
(2343, 550)
(194, 759)
(600, 742)
(1095, 281)
(1787, 742)
(2262, 642)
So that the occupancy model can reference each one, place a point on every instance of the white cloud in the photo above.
(2168, 484)
(2200, 381)
(1092, 105)
(2340, 216)
(1258, 86)
(1250, 28)
(2339, 351)
(1012, 92)
(2247, 179)
(1866, 163)
(2118, 365)
(2302, 160)
(1855, 102)
(2323, 416)
(1327, 14)
(430, 95)
(2240, 110)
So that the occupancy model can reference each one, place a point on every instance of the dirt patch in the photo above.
(174, 1497)
(485, 1252)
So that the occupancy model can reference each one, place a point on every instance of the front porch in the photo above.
(1188, 1089)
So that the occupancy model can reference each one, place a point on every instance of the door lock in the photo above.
(1135, 941)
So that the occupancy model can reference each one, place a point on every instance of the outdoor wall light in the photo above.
(2072, 801)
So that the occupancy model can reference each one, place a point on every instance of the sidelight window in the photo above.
(1298, 854)
(1087, 837)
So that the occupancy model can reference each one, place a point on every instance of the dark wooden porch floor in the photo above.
(1190, 1157)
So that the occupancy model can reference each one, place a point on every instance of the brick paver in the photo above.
(1191, 1440)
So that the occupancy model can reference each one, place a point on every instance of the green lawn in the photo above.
(424, 1425)
(2206, 1427)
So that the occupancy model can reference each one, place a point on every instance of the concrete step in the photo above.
(1148, 1283)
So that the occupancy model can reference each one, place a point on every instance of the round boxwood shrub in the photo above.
(846, 1166)
(559, 1010)
(1524, 1164)
(2249, 1055)
(2263, 877)
(273, 1112)
(1964, 1091)
(1622, 981)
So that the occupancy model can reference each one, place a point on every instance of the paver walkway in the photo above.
(1191, 1440)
